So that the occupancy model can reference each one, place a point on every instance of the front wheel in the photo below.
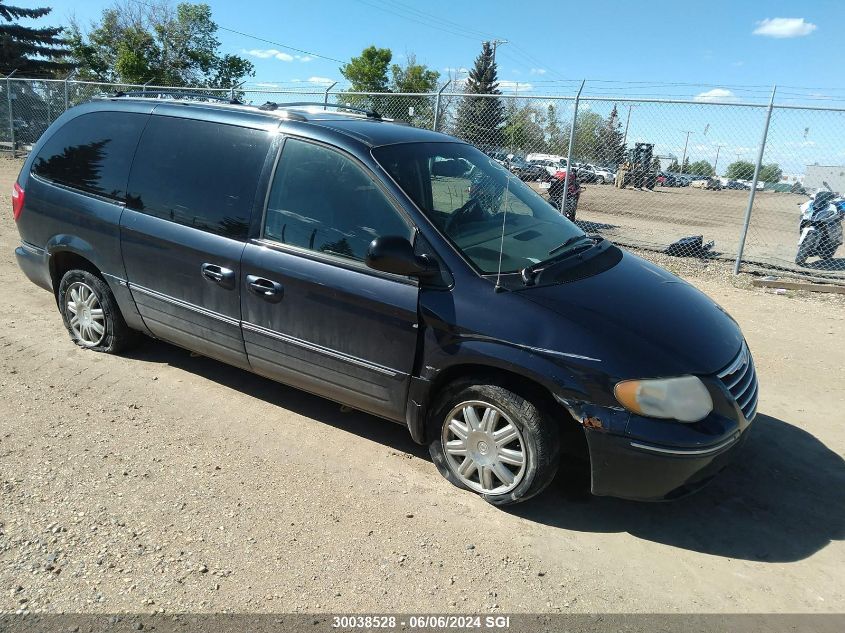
(91, 315)
(492, 441)
(600, 180)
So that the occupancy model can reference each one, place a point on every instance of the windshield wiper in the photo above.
(569, 242)
(530, 272)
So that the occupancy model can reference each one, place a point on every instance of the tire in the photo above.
(534, 443)
(600, 180)
(571, 207)
(101, 327)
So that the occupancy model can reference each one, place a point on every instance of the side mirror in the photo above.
(395, 254)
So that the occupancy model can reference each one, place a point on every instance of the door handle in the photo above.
(267, 289)
(218, 274)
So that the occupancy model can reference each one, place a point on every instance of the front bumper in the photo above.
(633, 469)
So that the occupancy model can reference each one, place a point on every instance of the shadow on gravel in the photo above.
(396, 436)
(781, 501)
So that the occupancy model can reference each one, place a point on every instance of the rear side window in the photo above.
(92, 153)
(198, 173)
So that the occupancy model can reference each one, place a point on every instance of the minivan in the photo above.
(394, 270)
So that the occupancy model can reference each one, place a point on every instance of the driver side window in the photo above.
(323, 201)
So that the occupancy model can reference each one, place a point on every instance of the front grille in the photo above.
(740, 378)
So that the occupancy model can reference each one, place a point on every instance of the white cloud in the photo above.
(321, 81)
(266, 84)
(716, 94)
(538, 71)
(784, 27)
(267, 53)
(515, 86)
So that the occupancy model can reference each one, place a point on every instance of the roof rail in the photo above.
(175, 94)
(272, 105)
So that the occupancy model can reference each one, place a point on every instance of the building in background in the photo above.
(816, 175)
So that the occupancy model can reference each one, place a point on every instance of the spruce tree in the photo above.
(480, 119)
(31, 51)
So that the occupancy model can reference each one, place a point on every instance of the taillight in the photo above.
(17, 201)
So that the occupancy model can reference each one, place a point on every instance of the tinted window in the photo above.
(92, 152)
(198, 173)
(323, 201)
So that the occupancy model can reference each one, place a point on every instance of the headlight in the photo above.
(685, 398)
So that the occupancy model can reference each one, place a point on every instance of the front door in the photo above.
(189, 202)
(314, 316)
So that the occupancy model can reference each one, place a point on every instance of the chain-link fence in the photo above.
(684, 177)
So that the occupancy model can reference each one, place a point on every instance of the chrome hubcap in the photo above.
(85, 314)
(483, 448)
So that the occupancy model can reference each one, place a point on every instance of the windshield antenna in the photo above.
(498, 287)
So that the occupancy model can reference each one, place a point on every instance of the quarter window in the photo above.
(92, 153)
(323, 201)
(198, 173)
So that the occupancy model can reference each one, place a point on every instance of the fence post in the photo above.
(67, 79)
(233, 88)
(11, 114)
(569, 153)
(326, 96)
(753, 191)
(437, 105)
(144, 87)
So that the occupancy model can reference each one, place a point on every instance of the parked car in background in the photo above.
(552, 167)
(586, 173)
(603, 175)
(667, 180)
(526, 171)
(714, 184)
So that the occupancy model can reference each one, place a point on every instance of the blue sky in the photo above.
(683, 50)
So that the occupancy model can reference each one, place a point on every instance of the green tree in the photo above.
(556, 138)
(673, 167)
(700, 168)
(480, 119)
(588, 144)
(29, 50)
(413, 78)
(655, 164)
(368, 71)
(611, 146)
(740, 170)
(770, 173)
(524, 128)
(155, 42)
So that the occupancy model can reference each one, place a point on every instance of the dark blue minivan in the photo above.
(395, 270)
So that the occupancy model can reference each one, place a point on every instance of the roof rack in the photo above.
(175, 94)
(272, 105)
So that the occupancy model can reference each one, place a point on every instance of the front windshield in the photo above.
(471, 197)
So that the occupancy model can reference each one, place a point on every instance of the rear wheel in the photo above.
(91, 315)
(490, 440)
(600, 180)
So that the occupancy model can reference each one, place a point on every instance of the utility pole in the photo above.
(716, 162)
(684, 159)
(627, 122)
(495, 43)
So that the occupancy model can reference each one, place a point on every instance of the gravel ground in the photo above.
(162, 481)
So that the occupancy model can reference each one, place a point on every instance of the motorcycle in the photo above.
(572, 196)
(820, 226)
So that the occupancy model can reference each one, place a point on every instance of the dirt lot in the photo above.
(166, 481)
(659, 217)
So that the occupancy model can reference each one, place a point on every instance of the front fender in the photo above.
(578, 380)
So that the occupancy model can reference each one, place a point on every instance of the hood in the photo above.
(642, 321)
